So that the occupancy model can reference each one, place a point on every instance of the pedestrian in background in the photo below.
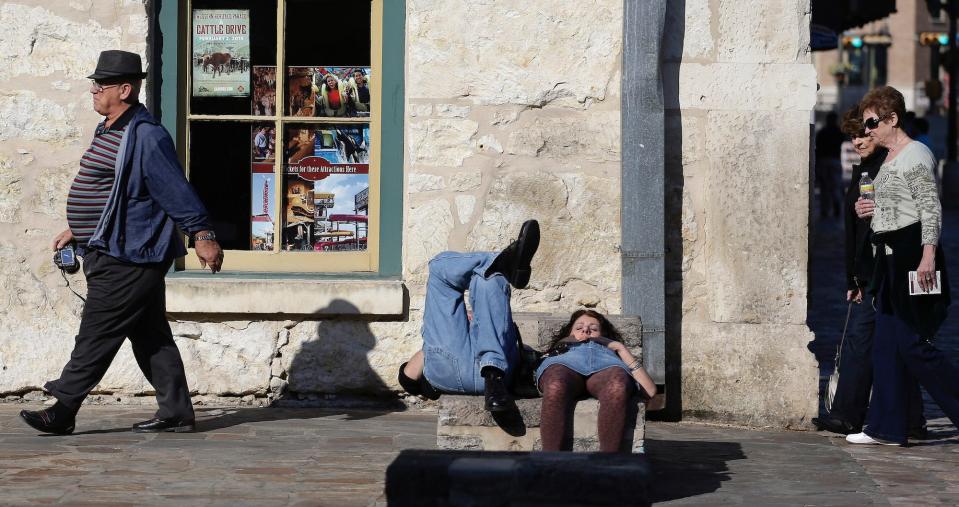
(829, 166)
(848, 410)
(906, 218)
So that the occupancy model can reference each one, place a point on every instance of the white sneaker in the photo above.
(862, 438)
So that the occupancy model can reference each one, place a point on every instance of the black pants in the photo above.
(903, 360)
(856, 370)
(124, 301)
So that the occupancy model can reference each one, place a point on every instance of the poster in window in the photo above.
(262, 215)
(221, 53)
(327, 175)
(329, 91)
(264, 90)
(263, 143)
(263, 183)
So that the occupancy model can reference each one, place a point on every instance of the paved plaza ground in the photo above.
(264, 457)
(286, 456)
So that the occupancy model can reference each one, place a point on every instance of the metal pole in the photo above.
(953, 60)
(950, 173)
(643, 181)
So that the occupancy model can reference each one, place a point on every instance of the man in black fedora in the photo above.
(127, 209)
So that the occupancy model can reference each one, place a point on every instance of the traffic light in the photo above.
(933, 39)
(852, 41)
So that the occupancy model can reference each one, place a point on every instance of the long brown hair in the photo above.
(606, 327)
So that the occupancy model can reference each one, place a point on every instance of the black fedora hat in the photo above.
(116, 63)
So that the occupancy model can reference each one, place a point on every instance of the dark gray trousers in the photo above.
(125, 301)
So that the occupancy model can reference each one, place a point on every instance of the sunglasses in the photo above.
(96, 87)
(873, 123)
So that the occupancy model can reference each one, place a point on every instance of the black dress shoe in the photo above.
(835, 425)
(496, 394)
(921, 433)
(48, 421)
(514, 261)
(417, 387)
(158, 425)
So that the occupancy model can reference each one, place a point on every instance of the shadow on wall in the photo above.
(331, 366)
(672, 51)
(683, 469)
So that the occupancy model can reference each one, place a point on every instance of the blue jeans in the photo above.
(455, 349)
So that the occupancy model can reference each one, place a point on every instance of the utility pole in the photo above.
(953, 60)
(950, 173)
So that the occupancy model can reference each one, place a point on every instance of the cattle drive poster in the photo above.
(327, 168)
(221, 53)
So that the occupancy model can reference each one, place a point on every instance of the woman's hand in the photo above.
(854, 295)
(926, 272)
(865, 208)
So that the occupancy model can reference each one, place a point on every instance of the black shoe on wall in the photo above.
(514, 261)
(495, 393)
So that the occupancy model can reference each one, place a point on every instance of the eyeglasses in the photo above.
(96, 87)
(873, 123)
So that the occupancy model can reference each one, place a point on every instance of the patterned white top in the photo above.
(906, 193)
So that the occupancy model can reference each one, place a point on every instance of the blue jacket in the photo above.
(150, 198)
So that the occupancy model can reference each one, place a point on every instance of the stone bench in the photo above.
(464, 424)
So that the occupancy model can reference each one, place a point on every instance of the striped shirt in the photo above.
(91, 188)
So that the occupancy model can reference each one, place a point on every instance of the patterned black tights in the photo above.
(561, 386)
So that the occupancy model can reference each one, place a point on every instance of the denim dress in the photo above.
(585, 358)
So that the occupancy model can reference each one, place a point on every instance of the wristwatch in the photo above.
(208, 236)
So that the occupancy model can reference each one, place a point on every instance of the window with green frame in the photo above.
(289, 125)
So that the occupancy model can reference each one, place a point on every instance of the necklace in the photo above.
(896, 146)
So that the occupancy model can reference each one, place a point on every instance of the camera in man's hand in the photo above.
(66, 259)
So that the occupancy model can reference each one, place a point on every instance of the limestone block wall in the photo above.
(512, 113)
(46, 121)
(739, 88)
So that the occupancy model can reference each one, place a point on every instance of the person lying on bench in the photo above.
(587, 357)
(478, 355)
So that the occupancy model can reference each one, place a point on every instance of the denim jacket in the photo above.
(150, 198)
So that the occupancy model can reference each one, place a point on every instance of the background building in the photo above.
(888, 51)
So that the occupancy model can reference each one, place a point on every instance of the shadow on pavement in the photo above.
(219, 418)
(683, 469)
(827, 306)
(212, 419)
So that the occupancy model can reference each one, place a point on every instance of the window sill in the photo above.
(325, 296)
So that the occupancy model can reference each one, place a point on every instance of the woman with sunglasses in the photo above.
(587, 357)
(905, 218)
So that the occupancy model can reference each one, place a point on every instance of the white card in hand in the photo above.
(916, 290)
